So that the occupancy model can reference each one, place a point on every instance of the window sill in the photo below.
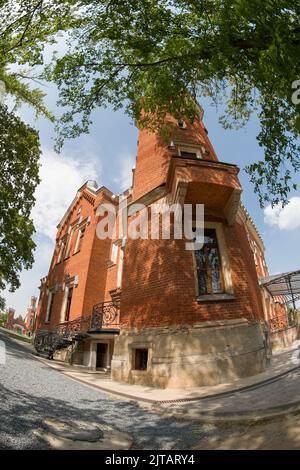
(138, 371)
(215, 298)
(110, 263)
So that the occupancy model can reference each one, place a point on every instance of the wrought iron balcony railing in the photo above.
(73, 327)
(105, 315)
(282, 322)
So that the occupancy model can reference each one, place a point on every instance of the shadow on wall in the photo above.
(159, 284)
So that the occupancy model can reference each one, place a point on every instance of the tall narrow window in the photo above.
(114, 253)
(210, 280)
(68, 244)
(68, 304)
(61, 251)
(49, 306)
(79, 240)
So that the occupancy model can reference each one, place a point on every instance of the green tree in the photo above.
(159, 55)
(3, 318)
(25, 27)
(19, 162)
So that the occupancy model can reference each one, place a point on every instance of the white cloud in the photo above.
(30, 280)
(61, 176)
(285, 218)
(124, 179)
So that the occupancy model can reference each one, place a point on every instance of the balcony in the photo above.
(212, 183)
(73, 327)
(105, 315)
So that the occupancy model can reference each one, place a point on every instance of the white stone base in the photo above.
(182, 357)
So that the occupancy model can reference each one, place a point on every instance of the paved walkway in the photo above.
(33, 394)
(282, 433)
(282, 364)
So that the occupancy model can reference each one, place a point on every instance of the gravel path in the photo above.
(30, 391)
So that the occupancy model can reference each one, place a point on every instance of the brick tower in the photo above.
(187, 317)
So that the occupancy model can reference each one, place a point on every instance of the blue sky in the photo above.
(107, 154)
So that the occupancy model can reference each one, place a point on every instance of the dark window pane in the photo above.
(213, 258)
(69, 301)
(216, 282)
(210, 237)
(208, 265)
(188, 154)
(51, 306)
(200, 258)
(140, 359)
(202, 281)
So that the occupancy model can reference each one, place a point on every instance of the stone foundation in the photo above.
(85, 352)
(180, 357)
(284, 338)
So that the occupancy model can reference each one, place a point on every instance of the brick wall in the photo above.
(89, 264)
(159, 286)
(154, 155)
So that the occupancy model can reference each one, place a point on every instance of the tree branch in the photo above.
(20, 41)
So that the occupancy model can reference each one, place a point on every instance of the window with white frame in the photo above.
(67, 302)
(79, 239)
(50, 303)
(61, 250)
(114, 252)
(213, 275)
(189, 152)
(208, 263)
(68, 242)
(120, 268)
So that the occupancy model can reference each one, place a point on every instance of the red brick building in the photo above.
(30, 316)
(147, 308)
(14, 323)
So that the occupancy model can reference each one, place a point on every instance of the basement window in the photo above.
(140, 359)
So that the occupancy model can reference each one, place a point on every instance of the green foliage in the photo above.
(19, 162)
(3, 317)
(25, 27)
(159, 55)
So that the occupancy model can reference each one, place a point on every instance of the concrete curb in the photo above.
(234, 390)
(259, 415)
